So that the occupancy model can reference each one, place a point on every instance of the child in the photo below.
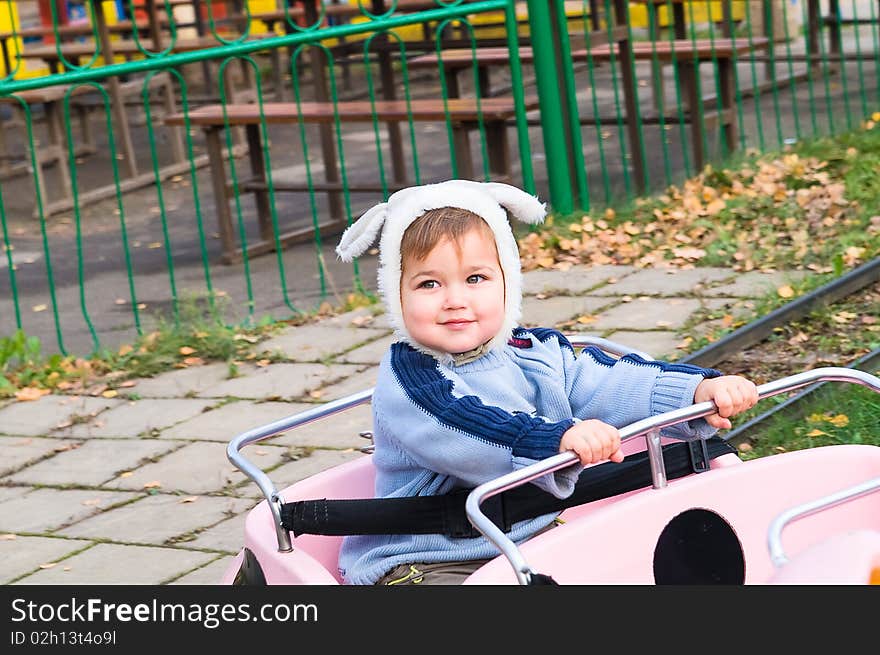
(465, 395)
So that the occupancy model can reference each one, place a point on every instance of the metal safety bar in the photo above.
(273, 497)
(774, 534)
(649, 427)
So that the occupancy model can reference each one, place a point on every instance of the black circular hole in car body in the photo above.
(698, 547)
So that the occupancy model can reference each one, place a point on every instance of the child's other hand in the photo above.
(731, 394)
(593, 441)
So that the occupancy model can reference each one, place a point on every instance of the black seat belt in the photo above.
(445, 514)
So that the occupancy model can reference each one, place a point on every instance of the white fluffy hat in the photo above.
(489, 200)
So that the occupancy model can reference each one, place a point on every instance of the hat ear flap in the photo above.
(521, 205)
(362, 233)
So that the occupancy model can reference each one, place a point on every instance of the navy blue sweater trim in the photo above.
(525, 435)
(607, 360)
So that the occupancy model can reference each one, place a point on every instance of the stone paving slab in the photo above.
(226, 536)
(279, 381)
(157, 519)
(368, 317)
(665, 282)
(197, 468)
(39, 417)
(549, 311)
(210, 574)
(646, 314)
(8, 493)
(92, 463)
(659, 344)
(370, 353)
(339, 431)
(318, 342)
(232, 419)
(361, 381)
(575, 281)
(25, 554)
(46, 510)
(17, 452)
(183, 382)
(317, 461)
(118, 564)
(137, 418)
(755, 284)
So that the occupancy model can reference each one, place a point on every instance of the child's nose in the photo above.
(454, 296)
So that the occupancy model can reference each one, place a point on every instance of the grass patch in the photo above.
(833, 414)
(814, 205)
(199, 334)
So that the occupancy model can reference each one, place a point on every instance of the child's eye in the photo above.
(476, 277)
(428, 284)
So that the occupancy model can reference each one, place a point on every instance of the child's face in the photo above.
(453, 300)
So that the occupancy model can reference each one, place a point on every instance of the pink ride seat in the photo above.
(315, 557)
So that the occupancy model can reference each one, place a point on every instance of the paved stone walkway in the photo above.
(138, 490)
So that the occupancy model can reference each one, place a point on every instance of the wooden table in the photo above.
(465, 114)
(457, 60)
(685, 52)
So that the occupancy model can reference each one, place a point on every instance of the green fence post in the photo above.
(557, 136)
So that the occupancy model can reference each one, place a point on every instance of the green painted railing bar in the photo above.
(679, 105)
(516, 81)
(862, 97)
(792, 83)
(618, 113)
(10, 265)
(573, 136)
(556, 151)
(241, 49)
(44, 235)
(658, 91)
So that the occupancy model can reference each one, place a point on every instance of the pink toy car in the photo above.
(720, 520)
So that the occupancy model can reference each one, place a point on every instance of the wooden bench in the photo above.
(464, 114)
(55, 151)
(687, 53)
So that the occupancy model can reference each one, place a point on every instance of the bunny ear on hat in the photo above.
(521, 205)
(362, 233)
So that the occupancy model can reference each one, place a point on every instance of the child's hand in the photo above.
(593, 441)
(731, 394)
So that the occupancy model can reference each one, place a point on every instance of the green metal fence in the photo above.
(106, 228)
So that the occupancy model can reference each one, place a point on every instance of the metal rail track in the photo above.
(759, 330)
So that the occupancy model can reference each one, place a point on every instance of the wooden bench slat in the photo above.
(356, 111)
(683, 48)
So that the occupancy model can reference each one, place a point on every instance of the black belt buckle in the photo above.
(699, 452)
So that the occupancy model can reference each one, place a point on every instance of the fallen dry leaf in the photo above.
(152, 485)
(186, 350)
(30, 393)
(48, 565)
(785, 291)
(189, 499)
(8, 537)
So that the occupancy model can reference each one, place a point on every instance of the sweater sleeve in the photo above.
(621, 391)
(460, 435)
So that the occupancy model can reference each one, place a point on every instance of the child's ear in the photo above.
(362, 233)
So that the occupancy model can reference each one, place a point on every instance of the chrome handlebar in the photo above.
(649, 427)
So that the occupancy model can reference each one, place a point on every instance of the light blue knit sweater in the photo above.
(439, 428)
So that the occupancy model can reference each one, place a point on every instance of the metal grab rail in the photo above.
(649, 427)
(774, 533)
(270, 430)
